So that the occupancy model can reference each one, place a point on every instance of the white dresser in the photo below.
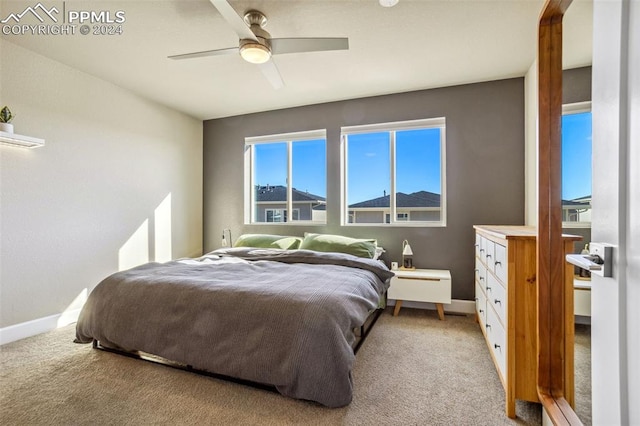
(505, 288)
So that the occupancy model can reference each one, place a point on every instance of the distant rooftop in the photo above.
(582, 202)
(279, 193)
(415, 199)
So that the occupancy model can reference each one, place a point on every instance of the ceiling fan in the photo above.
(256, 45)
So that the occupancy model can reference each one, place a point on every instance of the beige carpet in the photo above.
(412, 370)
(582, 361)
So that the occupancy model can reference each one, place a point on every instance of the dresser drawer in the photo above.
(496, 297)
(500, 262)
(481, 305)
(478, 245)
(489, 255)
(496, 338)
(481, 273)
(420, 288)
(483, 248)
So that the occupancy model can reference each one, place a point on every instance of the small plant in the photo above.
(5, 115)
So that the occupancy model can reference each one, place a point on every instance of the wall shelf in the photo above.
(12, 139)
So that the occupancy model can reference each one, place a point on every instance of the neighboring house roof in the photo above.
(415, 199)
(278, 193)
(578, 203)
(586, 199)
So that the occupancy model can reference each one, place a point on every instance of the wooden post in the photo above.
(551, 279)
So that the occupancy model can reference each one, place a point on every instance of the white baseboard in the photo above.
(582, 319)
(41, 325)
(456, 306)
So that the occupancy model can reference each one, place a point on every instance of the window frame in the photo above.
(392, 128)
(249, 173)
(577, 108)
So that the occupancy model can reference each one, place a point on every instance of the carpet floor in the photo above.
(412, 370)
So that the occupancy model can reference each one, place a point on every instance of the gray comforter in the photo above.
(283, 318)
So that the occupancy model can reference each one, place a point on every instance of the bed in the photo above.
(283, 318)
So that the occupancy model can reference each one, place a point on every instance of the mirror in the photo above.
(576, 179)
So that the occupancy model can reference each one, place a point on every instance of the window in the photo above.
(576, 165)
(400, 217)
(394, 174)
(280, 215)
(286, 173)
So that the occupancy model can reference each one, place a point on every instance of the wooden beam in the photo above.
(553, 378)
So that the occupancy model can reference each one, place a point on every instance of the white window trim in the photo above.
(568, 109)
(249, 172)
(439, 122)
(576, 108)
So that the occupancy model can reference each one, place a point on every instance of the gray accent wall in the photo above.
(576, 85)
(484, 169)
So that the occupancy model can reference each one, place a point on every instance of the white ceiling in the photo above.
(417, 44)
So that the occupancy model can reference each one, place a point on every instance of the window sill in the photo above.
(570, 225)
(400, 225)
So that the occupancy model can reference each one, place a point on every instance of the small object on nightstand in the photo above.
(407, 261)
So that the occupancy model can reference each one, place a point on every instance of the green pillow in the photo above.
(268, 241)
(338, 243)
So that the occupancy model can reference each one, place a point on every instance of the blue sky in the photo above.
(417, 163)
(309, 170)
(417, 159)
(576, 155)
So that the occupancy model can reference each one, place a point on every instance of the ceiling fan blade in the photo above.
(280, 46)
(205, 53)
(270, 71)
(235, 21)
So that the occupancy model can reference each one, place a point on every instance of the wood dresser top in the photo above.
(514, 231)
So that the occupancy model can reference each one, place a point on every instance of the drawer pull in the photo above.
(497, 262)
(488, 326)
(496, 346)
(497, 301)
(488, 256)
(481, 250)
(481, 278)
(488, 288)
(481, 311)
(418, 278)
(477, 245)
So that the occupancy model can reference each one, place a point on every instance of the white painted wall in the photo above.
(531, 145)
(615, 329)
(119, 182)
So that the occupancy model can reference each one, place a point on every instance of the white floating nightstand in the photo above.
(21, 141)
(421, 285)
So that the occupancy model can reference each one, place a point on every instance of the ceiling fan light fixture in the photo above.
(388, 3)
(255, 52)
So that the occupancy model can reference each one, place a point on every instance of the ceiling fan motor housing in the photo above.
(256, 21)
(255, 17)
